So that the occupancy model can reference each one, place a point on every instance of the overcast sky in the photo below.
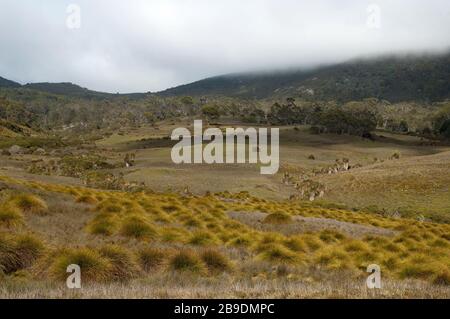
(138, 46)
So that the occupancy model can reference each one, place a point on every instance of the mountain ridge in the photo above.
(392, 78)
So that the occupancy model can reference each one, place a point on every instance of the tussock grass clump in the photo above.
(109, 207)
(186, 260)
(105, 225)
(202, 238)
(170, 208)
(442, 278)
(10, 216)
(356, 246)
(87, 199)
(333, 258)
(29, 249)
(30, 203)
(391, 263)
(330, 236)
(190, 221)
(214, 260)
(295, 244)
(94, 267)
(173, 234)
(278, 253)
(8, 259)
(312, 242)
(150, 258)
(19, 252)
(138, 227)
(278, 218)
(123, 266)
(240, 241)
(417, 271)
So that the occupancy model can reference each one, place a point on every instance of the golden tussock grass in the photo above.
(87, 199)
(94, 267)
(150, 258)
(202, 238)
(278, 218)
(18, 252)
(277, 253)
(29, 203)
(215, 260)
(186, 260)
(138, 227)
(10, 216)
(123, 266)
(103, 224)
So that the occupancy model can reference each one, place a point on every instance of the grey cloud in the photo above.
(130, 46)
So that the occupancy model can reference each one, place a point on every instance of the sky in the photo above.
(150, 45)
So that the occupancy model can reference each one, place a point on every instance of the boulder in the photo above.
(39, 151)
(16, 149)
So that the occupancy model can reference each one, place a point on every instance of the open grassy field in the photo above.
(194, 228)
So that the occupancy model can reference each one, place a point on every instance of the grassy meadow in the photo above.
(212, 231)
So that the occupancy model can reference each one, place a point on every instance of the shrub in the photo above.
(150, 258)
(214, 260)
(94, 267)
(138, 227)
(30, 203)
(10, 216)
(278, 218)
(186, 260)
(123, 267)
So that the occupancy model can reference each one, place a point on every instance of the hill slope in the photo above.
(5, 83)
(424, 78)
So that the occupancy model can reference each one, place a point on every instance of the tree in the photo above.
(187, 100)
(211, 111)
(445, 129)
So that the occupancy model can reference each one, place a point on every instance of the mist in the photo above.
(141, 46)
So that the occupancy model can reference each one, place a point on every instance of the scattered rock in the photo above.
(16, 149)
(39, 151)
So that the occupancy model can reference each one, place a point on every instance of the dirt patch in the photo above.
(301, 225)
